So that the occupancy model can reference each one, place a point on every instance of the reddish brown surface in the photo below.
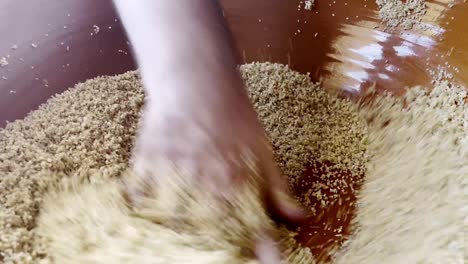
(330, 225)
(47, 24)
(336, 42)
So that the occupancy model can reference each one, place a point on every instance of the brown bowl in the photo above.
(52, 45)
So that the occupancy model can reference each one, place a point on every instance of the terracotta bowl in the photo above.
(51, 45)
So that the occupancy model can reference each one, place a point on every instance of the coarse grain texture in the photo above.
(399, 13)
(309, 129)
(413, 206)
(86, 132)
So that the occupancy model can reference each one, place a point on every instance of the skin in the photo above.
(197, 115)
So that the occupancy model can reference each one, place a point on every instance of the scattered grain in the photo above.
(96, 29)
(309, 4)
(3, 62)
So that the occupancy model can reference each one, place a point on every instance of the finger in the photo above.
(266, 251)
(279, 200)
(135, 187)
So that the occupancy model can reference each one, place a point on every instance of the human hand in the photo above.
(198, 116)
(209, 132)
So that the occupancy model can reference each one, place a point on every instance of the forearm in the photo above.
(182, 45)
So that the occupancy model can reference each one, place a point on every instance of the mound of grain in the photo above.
(404, 14)
(413, 205)
(308, 128)
(86, 132)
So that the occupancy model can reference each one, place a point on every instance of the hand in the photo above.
(208, 132)
(198, 116)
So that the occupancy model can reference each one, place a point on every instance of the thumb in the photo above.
(278, 199)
